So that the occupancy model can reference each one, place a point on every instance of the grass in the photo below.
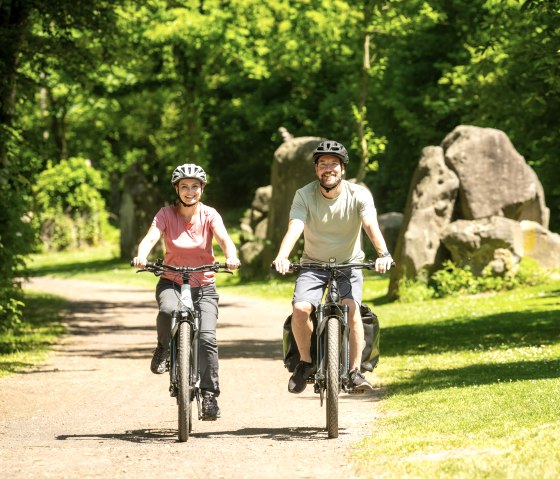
(28, 344)
(470, 386)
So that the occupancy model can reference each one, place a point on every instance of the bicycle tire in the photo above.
(332, 376)
(184, 399)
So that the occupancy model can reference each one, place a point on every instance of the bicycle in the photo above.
(333, 344)
(183, 346)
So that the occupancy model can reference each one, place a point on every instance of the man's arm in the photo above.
(371, 227)
(295, 229)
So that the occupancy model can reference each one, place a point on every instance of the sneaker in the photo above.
(159, 360)
(210, 409)
(298, 381)
(358, 382)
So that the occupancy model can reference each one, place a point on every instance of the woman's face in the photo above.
(189, 190)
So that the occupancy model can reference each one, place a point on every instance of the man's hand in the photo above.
(282, 265)
(383, 264)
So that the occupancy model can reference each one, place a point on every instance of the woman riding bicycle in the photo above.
(330, 212)
(188, 228)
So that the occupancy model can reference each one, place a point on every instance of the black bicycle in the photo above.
(183, 347)
(332, 354)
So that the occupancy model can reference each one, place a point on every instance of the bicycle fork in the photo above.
(178, 317)
(344, 365)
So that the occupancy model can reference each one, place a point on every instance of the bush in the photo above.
(453, 280)
(71, 209)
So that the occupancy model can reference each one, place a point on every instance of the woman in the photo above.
(188, 228)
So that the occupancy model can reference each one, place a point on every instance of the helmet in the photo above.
(188, 170)
(329, 147)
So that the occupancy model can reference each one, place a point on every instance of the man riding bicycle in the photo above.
(330, 212)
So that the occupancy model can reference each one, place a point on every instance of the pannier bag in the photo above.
(370, 353)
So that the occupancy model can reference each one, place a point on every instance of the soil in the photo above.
(94, 409)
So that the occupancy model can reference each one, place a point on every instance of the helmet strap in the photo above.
(327, 189)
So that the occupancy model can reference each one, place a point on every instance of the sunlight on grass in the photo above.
(471, 388)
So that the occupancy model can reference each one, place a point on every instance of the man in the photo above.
(330, 212)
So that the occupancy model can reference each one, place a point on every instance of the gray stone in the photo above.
(261, 200)
(390, 226)
(429, 209)
(541, 244)
(495, 178)
(474, 242)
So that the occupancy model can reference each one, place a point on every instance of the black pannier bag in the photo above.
(370, 353)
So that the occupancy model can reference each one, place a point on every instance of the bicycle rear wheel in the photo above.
(184, 398)
(333, 366)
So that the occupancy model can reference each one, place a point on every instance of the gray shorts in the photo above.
(311, 284)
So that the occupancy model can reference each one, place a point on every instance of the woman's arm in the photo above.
(146, 245)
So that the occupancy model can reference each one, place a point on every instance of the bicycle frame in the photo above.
(185, 312)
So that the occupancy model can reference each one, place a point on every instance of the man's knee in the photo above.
(301, 311)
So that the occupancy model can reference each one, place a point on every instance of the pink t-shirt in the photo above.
(188, 244)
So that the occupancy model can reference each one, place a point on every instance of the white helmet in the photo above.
(188, 170)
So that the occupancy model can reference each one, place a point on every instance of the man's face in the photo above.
(329, 170)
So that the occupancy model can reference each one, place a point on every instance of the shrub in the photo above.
(454, 280)
(71, 209)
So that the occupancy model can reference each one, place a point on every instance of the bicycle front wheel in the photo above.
(184, 398)
(332, 376)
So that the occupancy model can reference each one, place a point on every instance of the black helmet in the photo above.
(329, 147)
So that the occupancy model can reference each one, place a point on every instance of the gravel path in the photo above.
(93, 409)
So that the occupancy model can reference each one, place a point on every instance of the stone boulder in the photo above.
(254, 226)
(541, 244)
(474, 243)
(495, 179)
(429, 210)
(390, 226)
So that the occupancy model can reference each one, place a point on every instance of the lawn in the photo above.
(469, 387)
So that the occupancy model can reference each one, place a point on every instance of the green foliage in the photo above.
(454, 280)
(17, 232)
(25, 343)
(70, 207)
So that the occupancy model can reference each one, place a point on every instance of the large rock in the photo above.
(429, 209)
(495, 178)
(474, 242)
(541, 244)
(390, 226)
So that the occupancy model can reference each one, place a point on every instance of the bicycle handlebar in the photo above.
(158, 268)
(296, 267)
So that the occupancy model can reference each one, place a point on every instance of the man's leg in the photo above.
(356, 339)
(302, 327)
(356, 333)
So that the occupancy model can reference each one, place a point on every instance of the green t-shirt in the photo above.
(332, 227)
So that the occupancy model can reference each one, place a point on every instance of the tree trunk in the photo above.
(13, 22)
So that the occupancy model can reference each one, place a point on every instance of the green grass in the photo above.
(470, 386)
(29, 343)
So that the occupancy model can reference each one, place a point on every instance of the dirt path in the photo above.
(93, 409)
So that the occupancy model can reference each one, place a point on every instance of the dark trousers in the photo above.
(205, 300)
